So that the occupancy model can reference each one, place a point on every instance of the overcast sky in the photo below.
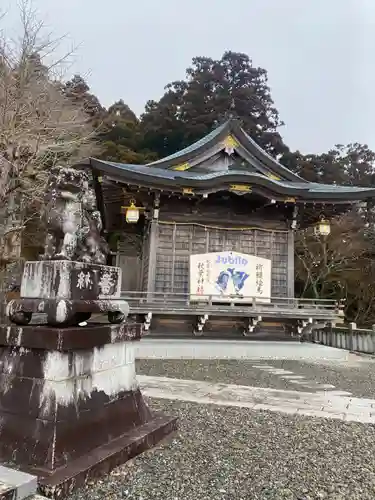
(319, 54)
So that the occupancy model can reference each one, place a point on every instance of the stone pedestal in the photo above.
(70, 405)
(68, 292)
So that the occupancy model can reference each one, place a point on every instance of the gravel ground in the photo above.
(216, 370)
(235, 453)
(355, 377)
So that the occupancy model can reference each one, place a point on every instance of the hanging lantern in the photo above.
(132, 213)
(323, 227)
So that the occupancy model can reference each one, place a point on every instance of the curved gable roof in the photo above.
(252, 151)
(261, 172)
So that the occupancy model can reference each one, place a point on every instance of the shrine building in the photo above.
(205, 237)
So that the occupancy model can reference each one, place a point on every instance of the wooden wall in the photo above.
(129, 258)
(187, 226)
(176, 242)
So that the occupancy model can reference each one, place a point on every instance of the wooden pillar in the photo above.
(290, 270)
(152, 248)
(153, 245)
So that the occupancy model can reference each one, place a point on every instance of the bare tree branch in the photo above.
(339, 266)
(39, 124)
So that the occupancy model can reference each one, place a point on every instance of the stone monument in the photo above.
(70, 405)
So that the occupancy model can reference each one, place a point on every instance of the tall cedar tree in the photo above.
(213, 91)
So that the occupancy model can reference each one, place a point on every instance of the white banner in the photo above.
(230, 276)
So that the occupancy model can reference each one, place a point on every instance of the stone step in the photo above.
(11, 493)
(7, 492)
(16, 485)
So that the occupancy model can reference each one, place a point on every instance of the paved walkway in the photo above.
(312, 397)
(325, 404)
(235, 349)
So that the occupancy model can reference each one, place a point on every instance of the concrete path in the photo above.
(232, 349)
(324, 404)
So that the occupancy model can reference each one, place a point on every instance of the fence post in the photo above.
(352, 328)
(373, 339)
(330, 333)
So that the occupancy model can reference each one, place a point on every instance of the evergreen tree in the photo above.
(213, 91)
(346, 165)
(120, 136)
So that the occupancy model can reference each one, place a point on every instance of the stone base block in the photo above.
(68, 339)
(102, 460)
(74, 406)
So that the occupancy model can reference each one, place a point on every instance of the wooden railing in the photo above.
(179, 303)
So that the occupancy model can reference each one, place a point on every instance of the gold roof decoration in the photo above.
(273, 176)
(240, 188)
(229, 144)
(182, 166)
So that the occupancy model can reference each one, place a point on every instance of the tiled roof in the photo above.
(264, 173)
(174, 180)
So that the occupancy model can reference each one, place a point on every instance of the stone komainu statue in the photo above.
(73, 222)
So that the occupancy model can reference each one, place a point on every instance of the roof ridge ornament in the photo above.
(230, 143)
